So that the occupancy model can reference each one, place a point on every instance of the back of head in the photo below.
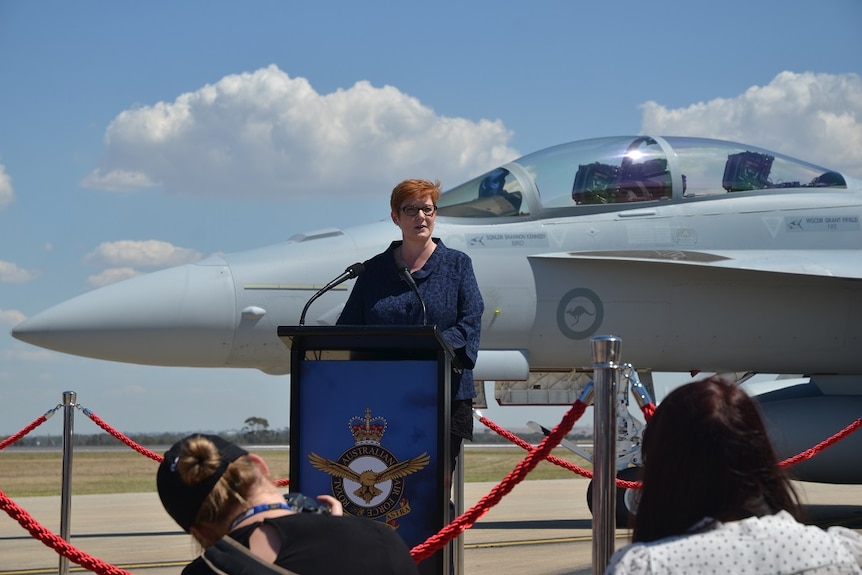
(414, 190)
(200, 476)
(707, 454)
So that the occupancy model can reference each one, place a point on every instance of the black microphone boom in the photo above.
(350, 273)
(408, 277)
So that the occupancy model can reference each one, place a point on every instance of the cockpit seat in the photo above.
(747, 171)
(595, 183)
(599, 183)
(493, 183)
(649, 180)
(493, 186)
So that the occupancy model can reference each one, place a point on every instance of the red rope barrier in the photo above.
(56, 542)
(140, 449)
(809, 453)
(421, 551)
(625, 484)
(449, 532)
(13, 438)
(648, 411)
(527, 447)
(143, 450)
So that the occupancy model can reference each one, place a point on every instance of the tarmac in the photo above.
(541, 527)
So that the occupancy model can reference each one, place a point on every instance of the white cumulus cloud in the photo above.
(149, 253)
(111, 275)
(7, 194)
(11, 317)
(118, 180)
(814, 117)
(264, 134)
(10, 273)
(30, 354)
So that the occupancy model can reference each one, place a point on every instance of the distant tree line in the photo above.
(488, 437)
(255, 431)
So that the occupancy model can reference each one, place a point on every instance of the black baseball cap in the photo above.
(181, 500)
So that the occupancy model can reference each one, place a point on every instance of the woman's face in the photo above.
(419, 225)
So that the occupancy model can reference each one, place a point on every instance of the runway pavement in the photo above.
(541, 528)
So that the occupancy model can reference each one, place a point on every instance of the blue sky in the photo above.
(136, 136)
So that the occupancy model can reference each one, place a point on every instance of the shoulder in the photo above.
(849, 540)
(383, 257)
(372, 532)
(449, 255)
(633, 559)
(364, 524)
(307, 521)
(361, 532)
(379, 264)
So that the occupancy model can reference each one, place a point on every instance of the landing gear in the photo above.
(623, 511)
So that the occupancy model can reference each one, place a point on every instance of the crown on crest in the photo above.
(367, 430)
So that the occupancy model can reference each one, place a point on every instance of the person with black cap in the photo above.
(214, 488)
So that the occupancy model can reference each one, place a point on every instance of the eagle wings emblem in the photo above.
(369, 479)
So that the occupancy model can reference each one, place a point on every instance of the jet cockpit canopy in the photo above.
(626, 170)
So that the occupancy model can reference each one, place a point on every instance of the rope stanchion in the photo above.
(55, 541)
(454, 529)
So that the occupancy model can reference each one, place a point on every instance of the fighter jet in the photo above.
(701, 255)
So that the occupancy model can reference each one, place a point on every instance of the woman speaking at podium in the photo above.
(387, 293)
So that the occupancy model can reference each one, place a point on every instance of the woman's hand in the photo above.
(335, 507)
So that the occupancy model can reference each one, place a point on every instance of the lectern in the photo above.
(369, 424)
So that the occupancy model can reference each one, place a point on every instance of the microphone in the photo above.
(408, 277)
(351, 272)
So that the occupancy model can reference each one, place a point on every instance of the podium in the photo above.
(369, 424)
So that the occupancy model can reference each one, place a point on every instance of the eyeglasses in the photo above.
(413, 210)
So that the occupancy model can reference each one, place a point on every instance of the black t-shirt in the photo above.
(313, 544)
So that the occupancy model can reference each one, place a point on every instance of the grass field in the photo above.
(29, 473)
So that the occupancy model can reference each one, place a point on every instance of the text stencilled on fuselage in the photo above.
(508, 239)
(823, 224)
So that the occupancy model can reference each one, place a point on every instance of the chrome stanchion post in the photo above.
(606, 350)
(458, 548)
(66, 493)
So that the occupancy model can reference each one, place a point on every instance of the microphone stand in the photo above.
(408, 277)
(350, 272)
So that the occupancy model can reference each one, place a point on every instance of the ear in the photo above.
(260, 463)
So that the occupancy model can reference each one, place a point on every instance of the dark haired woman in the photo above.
(715, 499)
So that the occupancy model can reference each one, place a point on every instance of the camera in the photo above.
(305, 504)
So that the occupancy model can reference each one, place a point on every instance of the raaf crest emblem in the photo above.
(367, 478)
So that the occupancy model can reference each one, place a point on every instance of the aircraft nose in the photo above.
(179, 316)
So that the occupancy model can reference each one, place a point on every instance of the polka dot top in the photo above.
(774, 544)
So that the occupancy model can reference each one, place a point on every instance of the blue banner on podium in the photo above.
(369, 425)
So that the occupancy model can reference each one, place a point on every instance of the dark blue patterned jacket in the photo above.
(452, 303)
